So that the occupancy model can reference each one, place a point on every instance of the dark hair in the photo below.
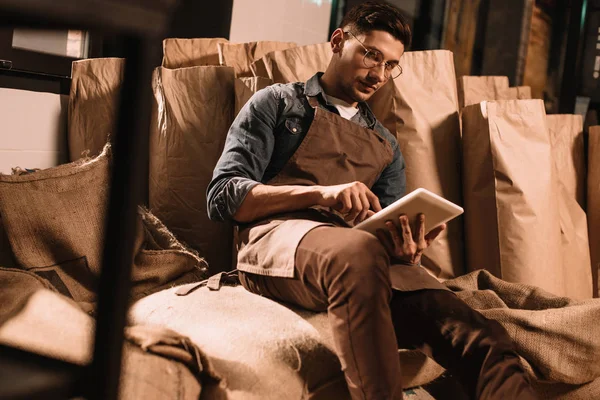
(371, 16)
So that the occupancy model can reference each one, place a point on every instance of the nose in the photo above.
(378, 72)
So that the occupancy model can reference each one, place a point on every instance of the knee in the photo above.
(362, 265)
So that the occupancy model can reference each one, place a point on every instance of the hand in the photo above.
(353, 200)
(401, 244)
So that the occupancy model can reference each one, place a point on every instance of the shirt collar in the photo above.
(313, 88)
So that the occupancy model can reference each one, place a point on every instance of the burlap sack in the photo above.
(296, 64)
(245, 88)
(512, 223)
(161, 260)
(54, 221)
(593, 203)
(557, 338)
(93, 102)
(7, 259)
(475, 89)
(241, 55)
(179, 53)
(16, 285)
(566, 134)
(256, 343)
(421, 108)
(49, 324)
(194, 110)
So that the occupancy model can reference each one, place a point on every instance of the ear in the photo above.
(337, 40)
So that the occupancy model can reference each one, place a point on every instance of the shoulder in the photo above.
(285, 95)
(383, 131)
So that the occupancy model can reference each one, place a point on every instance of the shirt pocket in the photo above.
(293, 126)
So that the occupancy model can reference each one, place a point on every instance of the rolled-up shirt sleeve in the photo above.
(391, 184)
(246, 154)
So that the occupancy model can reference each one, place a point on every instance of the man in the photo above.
(304, 161)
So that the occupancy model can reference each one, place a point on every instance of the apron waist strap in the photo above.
(213, 283)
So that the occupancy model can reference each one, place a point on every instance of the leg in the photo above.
(345, 272)
(478, 350)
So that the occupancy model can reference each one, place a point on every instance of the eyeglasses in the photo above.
(374, 58)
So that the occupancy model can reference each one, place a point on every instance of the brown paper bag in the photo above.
(93, 102)
(296, 64)
(475, 89)
(421, 108)
(577, 265)
(179, 53)
(593, 202)
(194, 112)
(512, 220)
(245, 88)
(514, 93)
(566, 134)
(241, 55)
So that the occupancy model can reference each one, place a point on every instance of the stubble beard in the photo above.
(355, 94)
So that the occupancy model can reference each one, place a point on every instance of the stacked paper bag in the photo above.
(475, 89)
(240, 56)
(93, 102)
(296, 64)
(520, 222)
(180, 53)
(193, 113)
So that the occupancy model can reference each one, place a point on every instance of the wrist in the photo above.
(314, 195)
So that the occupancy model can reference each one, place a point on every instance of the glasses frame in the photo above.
(387, 72)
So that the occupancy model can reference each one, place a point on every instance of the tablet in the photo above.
(437, 211)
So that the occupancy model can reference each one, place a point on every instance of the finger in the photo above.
(365, 208)
(405, 227)
(394, 234)
(420, 232)
(431, 236)
(356, 207)
(373, 200)
(370, 213)
(345, 202)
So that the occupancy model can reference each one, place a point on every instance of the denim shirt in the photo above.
(267, 132)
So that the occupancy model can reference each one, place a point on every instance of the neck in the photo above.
(331, 87)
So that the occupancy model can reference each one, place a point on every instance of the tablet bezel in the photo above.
(421, 199)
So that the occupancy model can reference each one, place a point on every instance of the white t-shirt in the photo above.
(345, 109)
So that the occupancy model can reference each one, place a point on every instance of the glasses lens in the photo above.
(396, 72)
(372, 59)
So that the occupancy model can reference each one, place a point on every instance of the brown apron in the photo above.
(335, 151)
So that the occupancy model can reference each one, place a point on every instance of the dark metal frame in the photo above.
(141, 28)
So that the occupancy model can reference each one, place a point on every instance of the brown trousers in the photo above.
(345, 272)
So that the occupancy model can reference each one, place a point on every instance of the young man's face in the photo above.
(356, 80)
